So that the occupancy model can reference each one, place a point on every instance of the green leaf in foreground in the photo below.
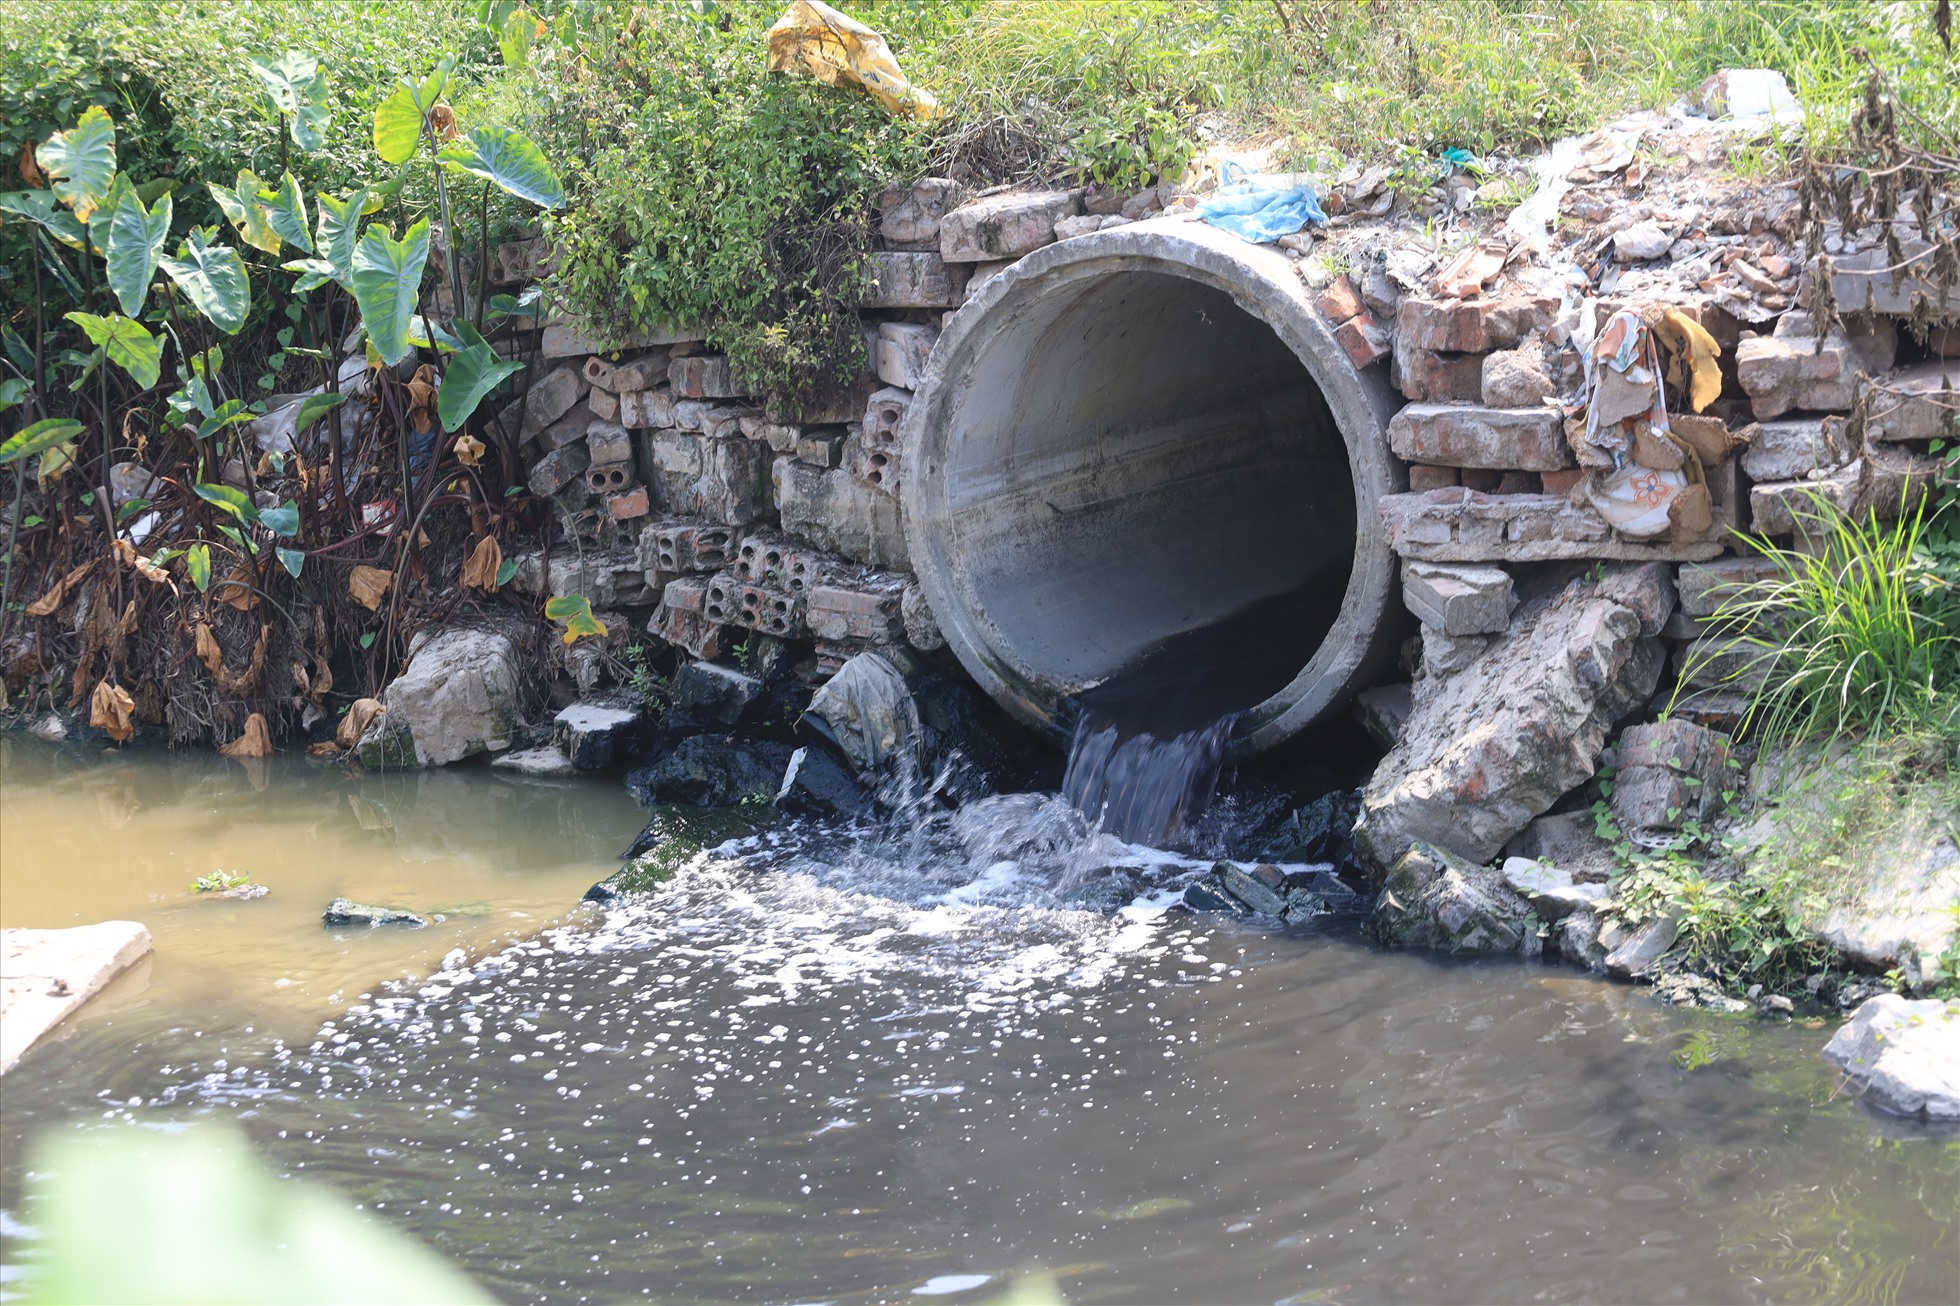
(231, 499)
(473, 373)
(299, 92)
(506, 570)
(132, 246)
(575, 610)
(387, 279)
(38, 438)
(313, 408)
(213, 278)
(285, 210)
(397, 126)
(509, 159)
(283, 520)
(337, 229)
(243, 207)
(197, 565)
(291, 559)
(81, 162)
(128, 343)
(40, 206)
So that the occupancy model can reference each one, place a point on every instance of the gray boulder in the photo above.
(1903, 1057)
(1434, 899)
(342, 912)
(458, 697)
(712, 771)
(591, 735)
(1494, 745)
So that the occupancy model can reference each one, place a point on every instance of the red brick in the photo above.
(1431, 478)
(1428, 376)
(1366, 344)
(1469, 326)
(1340, 301)
(1483, 480)
(1561, 482)
(633, 503)
(1518, 483)
(1460, 435)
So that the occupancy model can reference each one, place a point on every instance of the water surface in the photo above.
(838, 1067)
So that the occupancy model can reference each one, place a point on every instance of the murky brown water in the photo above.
(772, 1083)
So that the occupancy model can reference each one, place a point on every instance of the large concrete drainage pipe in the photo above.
(1131, 438)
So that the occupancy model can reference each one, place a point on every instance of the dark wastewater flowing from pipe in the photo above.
(1151, 743)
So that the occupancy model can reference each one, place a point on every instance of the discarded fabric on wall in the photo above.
(1260, 208)
(1654, 483)
(835, 48)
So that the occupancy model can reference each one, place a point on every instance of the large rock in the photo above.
(711, 771)
(840, 514)
(1671, 772)
(457, 698)
(1489, 748)
(46, 976)
(1896, 908)
(1004, 226)
(1903, 1057)
(1434, 899)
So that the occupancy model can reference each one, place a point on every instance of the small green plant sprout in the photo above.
(220, 881)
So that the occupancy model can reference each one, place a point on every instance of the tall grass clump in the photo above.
(1860, 635)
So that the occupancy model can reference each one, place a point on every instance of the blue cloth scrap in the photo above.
(1261, 209)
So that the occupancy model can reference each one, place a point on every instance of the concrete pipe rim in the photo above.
(1266, 286)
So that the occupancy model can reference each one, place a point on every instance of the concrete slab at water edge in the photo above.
(47, 975)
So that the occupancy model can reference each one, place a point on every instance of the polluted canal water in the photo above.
(847, 1064)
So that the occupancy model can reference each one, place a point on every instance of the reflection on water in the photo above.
(770, 1084)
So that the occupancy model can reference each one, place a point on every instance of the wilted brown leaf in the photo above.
(237, 589)
(30, 170)
(469, 450)
(359, 717)
(126, 552)
(109, 709)
(480, 571)
(208, 651)
(322, 680)
(369, 585)
(325, 748)
(301, 679)
(45, 605)
(442, 123)
(255, 742)
(422, 397)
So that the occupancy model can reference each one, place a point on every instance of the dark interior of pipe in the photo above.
(1146, 480)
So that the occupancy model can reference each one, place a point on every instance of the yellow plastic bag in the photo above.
(832, 47)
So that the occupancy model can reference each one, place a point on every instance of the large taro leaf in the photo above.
(242, 206)
(213, 277)
(473, 373)
(337, 230)
(132, 245)
(285, 211)
(387, 278)
(128, 344)
(38, 438)
(298, 88)
(398, 119)
(511, 160)
(81, 162)
(42, 207)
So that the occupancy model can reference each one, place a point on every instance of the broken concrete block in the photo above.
(858, 607)
(908, 280)
(983, 273)
(552, 398)
(774, 561)
(1516, 378)
(609, 478)
(921, 627)
(1671, 772)
(557, 469)
(609, 442)
(1470, 326)
(1422, 477)
(646, 409)
(591, 735)
(641, 373)
(1082, 225)
(1004, 226)
(1915, 404)
(840, 514)
(1429, 376)
(1445, 655)
(1868, 282)
(1340, 300)
(879, 466)
(1706, 586)
(1458, 600)
(1792, 449)
(823, 447)
(598, 372)
(604, 404)
(686, 629)
(910, 215)
(1902, 1057)
(903, 348)
(681, 547)
(704, 691)
(1814, 506)
(49, 974)
(1897, 480)
(1471, 768)
(1453, 435)
(1456, 525)
(1788, 372)
(563, 340)
(703, 376)
(723, 479)
(882, 415)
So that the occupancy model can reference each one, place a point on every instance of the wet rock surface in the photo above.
(345, 912)
(711, 771)
(457, 698)
(1903, 1057)
(1433, 899)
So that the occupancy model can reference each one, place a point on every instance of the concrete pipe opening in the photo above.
(1140, 463)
